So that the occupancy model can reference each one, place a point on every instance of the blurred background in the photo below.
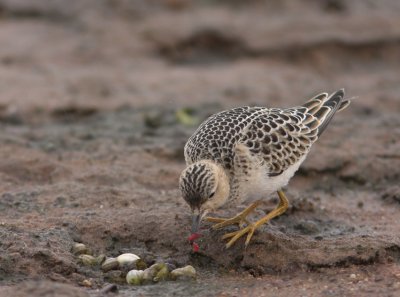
(98, 97)
(107, 53)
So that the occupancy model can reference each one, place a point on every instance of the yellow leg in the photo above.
(280, 209)
(239, 219)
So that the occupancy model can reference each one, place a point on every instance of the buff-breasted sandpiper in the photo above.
(247, 153)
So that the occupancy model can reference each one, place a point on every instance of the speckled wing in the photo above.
(217, 136)
(281, 137)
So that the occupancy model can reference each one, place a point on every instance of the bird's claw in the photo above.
(222, 222)
(237, 234)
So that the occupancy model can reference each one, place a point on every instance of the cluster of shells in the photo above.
(130, 268)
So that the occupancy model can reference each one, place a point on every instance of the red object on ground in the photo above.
(194, 236)
(195, 247)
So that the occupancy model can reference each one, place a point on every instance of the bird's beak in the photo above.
(196, 219)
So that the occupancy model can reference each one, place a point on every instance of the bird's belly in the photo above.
(261, 186)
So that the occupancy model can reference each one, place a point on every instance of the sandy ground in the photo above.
(91, 147)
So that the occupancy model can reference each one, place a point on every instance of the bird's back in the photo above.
(217, 136)
(276, 137)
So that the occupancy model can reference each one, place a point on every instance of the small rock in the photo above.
(140, 264)
(87, 260)
(135, 277)
(100, 259)
(110, 264)
(186, 272)
(87, 283)
(151, 272)
(162, 274)
(127, 258)
(80, 248)
(128, 266)
(353, 276)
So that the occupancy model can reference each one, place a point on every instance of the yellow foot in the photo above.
(249, 230)
(223, 222)
(237, 234)
(239, 219)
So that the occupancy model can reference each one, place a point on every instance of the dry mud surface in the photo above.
(91, 147)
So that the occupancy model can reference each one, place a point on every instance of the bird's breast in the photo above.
(259, 185)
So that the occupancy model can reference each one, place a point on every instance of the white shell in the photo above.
(134, 277)
(184, 272)
(126, 259)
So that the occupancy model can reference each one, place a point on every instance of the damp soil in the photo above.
(97, 99)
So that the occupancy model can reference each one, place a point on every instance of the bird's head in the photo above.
(205, 187)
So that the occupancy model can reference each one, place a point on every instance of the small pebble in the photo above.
(135, 277)
(353, 276)
(183, 273)
(110, 264)
(151, 273)
(115, 270)
(128, 266)
(79, 249)
(162, 274)
(100, 259)
(87, 260)
(87, 283)
(126, 259)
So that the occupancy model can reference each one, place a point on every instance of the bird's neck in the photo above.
(223, 189)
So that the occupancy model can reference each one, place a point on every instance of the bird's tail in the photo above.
(323, 107)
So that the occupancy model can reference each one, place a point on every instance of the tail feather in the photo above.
(322, 113)
(315, 102)
(344, 104)
(323, 108)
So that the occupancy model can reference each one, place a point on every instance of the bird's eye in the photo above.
(211, 195)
